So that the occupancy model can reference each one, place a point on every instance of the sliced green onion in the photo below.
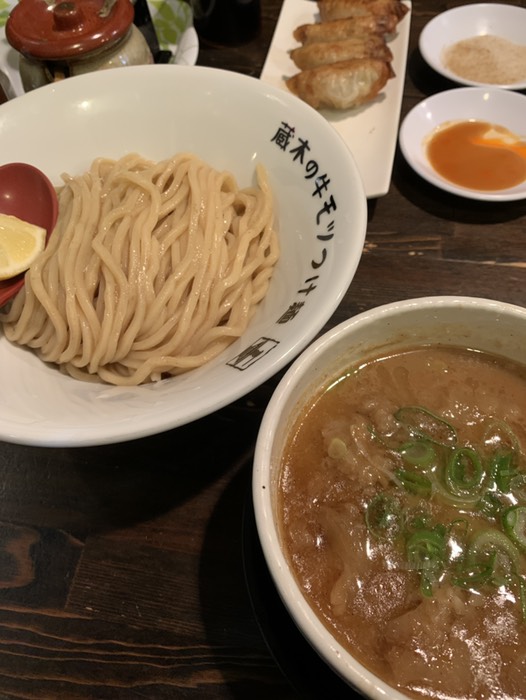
(476, 574)
(419, 453)
(465, 501)
(427, 552)
(426, 424)
(383, 516)
(426, 583)
(495, 546)
(514, 524)
(491, 559)
(414, 482)
(426, 549)
(464, 472)
(490, 505)
(503, 469)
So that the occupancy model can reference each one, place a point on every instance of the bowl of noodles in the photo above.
(389, 493)
(208, 227)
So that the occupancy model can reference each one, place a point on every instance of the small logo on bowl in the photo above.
(253, 353)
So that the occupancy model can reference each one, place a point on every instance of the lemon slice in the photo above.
(20, 244)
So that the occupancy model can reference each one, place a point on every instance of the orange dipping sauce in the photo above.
(478, 155)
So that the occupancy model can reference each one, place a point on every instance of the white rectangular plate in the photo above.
(371, 130)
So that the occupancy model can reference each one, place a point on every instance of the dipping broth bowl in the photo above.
(482, 324)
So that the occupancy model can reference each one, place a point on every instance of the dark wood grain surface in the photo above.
(133, 571)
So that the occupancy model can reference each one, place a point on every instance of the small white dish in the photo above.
(62, 127)
(459, 23)
(492, 105)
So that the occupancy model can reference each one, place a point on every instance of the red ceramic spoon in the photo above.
(27, 193)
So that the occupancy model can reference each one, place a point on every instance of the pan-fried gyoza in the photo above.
(344, 59)
(340, 29)
(357, 46)
(340, 9)
(341, 85)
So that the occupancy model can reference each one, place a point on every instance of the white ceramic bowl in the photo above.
(488, 325)
(492, 105)
(466, 21)
(233, 122)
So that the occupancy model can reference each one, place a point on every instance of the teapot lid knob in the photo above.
(67, 15)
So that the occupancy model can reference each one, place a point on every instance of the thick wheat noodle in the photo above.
(153, 269)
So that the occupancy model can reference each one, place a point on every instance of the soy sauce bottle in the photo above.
(226, 22)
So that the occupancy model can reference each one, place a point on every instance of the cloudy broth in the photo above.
(402, 507)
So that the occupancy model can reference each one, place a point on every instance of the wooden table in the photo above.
(124, 569)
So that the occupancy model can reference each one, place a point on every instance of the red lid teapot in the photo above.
(60, 39)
